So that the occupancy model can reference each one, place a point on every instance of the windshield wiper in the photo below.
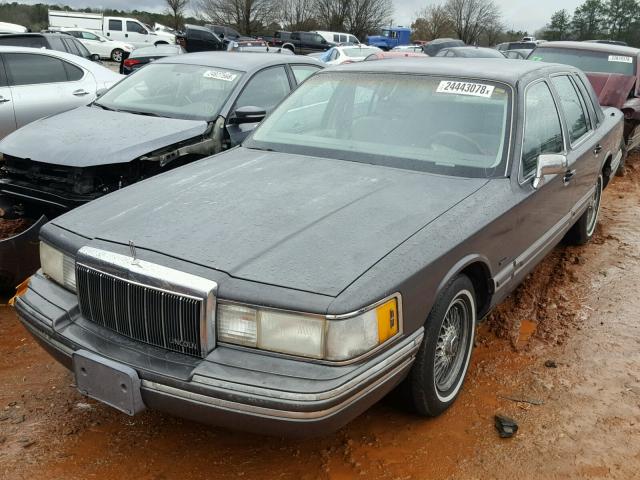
(148, 114)
(104, 107)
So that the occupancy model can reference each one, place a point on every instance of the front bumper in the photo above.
(239, 389)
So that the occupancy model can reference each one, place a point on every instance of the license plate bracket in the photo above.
(107, 381)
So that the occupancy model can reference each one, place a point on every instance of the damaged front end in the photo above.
(32, 192)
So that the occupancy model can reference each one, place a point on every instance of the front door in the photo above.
(43, 85)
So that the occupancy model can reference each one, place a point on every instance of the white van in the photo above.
(128, 30)
(337, 37)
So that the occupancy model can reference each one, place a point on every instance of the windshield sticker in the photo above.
(620, 59)
(217, 75)
(466, 88)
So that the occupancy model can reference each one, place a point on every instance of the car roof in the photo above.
(242, 61)
(35, 34)
(496, 69)
(592, 46)
(85, 63)
(198, 27)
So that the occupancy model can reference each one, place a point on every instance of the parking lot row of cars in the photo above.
(305, 239)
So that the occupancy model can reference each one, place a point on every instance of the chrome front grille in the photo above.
(147, 302)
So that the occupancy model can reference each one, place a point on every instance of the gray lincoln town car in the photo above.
(349, 245)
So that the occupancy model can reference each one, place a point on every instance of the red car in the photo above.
(613, 72)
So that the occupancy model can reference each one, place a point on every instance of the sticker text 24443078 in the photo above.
(465, 88)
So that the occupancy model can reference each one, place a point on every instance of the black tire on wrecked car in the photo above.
(441, 364)
(116, 55)
(583, 230)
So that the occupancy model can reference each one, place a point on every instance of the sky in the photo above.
(517, 14)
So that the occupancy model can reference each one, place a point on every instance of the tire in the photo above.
(583, 230)
(117, 55)
(431, 392)
(621, 171)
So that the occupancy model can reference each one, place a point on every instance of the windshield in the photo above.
(587, 61)
(190, 92)
(441, 125)
(359, 52)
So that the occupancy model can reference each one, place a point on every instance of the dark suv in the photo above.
(302, 43)
(227, 34)
(199, 39)
(61, 42)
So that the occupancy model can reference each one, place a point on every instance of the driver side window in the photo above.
(542, 128)
(266, 89)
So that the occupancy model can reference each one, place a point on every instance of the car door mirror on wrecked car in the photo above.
(549, 164)
(248, 114)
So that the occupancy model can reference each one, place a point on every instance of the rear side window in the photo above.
(542, 128)
(115, 25)
(588, 99)
(73, 73)
(33, 69)
(353, 39)
(266, 89)
(302, 72)
(70, 46)
(574, 110)
(56, 44)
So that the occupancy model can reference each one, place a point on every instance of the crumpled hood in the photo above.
(91, 136)
(612, 88)
(305, 223)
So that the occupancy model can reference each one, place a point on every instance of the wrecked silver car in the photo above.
(171, 112)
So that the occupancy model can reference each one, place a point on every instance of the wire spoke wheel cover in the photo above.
(453, 347)
(594, 208)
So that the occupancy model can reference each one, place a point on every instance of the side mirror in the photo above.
(100, 92)
(248, 114)
(549, 164)
(94, 57)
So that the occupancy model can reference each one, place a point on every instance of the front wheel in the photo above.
(117, 55)
(441, 364)
(585, 227)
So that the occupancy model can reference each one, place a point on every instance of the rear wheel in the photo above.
(585, 227)
(117, 55)
(443, 358)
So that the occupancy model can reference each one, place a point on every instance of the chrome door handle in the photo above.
(597, 150)
(4, 100)
(80, 93)
(568, 176)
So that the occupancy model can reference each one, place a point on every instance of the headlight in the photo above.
(312, 336)
(57, 266)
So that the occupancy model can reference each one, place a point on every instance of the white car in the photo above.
(43, 82)
(12, 28)
(338, 37)
(340, 55)
(100, 45)
(408, 48)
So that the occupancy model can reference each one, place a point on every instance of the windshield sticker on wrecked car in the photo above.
(466, 88)
(620, 59)
(217, 75)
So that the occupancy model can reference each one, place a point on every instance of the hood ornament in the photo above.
(134, 253)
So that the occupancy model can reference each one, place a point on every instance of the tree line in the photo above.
(475, 22)
(596, 20)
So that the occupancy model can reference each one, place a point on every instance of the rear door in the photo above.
(43, 85)
(7, 117)
(115, 29)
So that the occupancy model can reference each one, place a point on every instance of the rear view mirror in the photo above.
(249, 114)
(100, 92)
(549, 164)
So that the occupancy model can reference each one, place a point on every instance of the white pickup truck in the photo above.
(124, 29)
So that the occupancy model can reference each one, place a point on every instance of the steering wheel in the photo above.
(454, 138)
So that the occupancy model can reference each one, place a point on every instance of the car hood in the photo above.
(304, 223)
(91, 136)
(612, 88)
